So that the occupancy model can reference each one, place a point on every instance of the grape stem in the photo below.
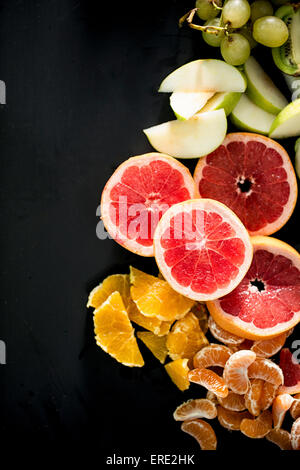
(189, 16)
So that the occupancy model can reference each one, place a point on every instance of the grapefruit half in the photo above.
(138, 193)
(267, 301)
(253, 175)
(290, 366)
(202, 249)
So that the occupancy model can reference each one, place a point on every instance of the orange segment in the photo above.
(295, 434)
(269, 347)
(185, 337)
(268, 394)
(253, 396)
(212, 355)
(114, 332)
(202, 432)
(295, 408)
(201, 312)
(156, 344)
(281, 438)
(212, 397)
(198, 408)
(236, 371)
(281, 405)
(113, 283)
(233, 402)
(222, 335)
(155, 297)
(158, 327)
(259, 427)
(178, 371)
(210, 380)
(231, 419)
(267, 370)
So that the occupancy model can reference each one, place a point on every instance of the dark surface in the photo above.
(81, 85)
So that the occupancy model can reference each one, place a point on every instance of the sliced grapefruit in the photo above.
(267, 301)
(202, 249)
(138, 193)
(253, 175)
(290, 366)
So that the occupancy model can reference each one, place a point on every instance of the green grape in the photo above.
(235, 49)
(270, 31)
(213, 39)
(261, 8)
(206, 9)
(236, 13)
(244, 31)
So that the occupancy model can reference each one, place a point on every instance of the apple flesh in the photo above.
(193, 138)
(204, 75)
(186, 104)
(261, 90)
(250, 117)
(225, 99)
(287, 122)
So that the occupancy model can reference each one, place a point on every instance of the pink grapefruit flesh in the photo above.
(252, 175)
(138, 193)
(290, 366)
(267, 301)
(202, 249)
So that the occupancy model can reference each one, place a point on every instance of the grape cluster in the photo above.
(236, 26)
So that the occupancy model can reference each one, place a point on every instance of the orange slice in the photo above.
(236, 371)
(212, 355)
(259, 427)
(231, 419)
(210, 380)
(281, 438)
(185, 337)
(233, 402)
(281, 405)
(113, 283)
(268, 347)
(178, 371)
(295, 434)
(158, 327)
(202, 432)
(197, 408)
(267, 370)
(114, 332)
(156, 344)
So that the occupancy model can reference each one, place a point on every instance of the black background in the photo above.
(82, 81)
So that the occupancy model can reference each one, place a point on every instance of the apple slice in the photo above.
(261, 90)
(225, 99)
(250, 117)
(204, 75)
(186, 104)
(287, 122)
(193, 138)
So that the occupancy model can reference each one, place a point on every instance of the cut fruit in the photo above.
(185, 338)
(287, 57)
(156, 344)
(113, 283)
(269, 347)
(295, 435)
(291, 372)
(231, 420)
(158, 327)
(268, 395)
(186, 104)
(295, 407)
(226, 100)
(261, 90)
(281, 405)
(202, 432)
(138, 193)
(297, 156)
(212, 355)
(223, 335)
(210, 380)
(156, 298)
(198, 408)
(202, 249)
(233, 402)
(254, 177)
(212, 397)
(287, 122)
(192, 138)
(204, 75)
(178, 371)
(259, 427)
(267, 301)
(236, 371)
(267, 370)
(201, 312)
(249, 117)
(281, 438)
(114, 332)
(253, 396)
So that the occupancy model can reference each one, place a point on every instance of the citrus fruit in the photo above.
(113, 283)
(295, 434)
(259, 427)
(212, 397)
(254, 177)
(295, 408)
(178, 371)
(138, 193)
(253, 396)
(212, 355)
(114, 332)
(281, 405)
(268, 347)
(202, 249)
(268, 395)
(291, 372)
(201, 312)
(223, 335)
(233, 402)
(156, 344)
(197, 408)
(267, 301)
(267, 370)
(158, 327)
(202, 432)
(156, 298)
(281, 438)
(231, 419)
(185, 337)
(210, 380)
(236, 371)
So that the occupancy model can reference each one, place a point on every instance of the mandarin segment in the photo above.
(295, 408)
(267, 370)
(295, 434)
(212, 397)
(222, 335)
(178, 371)
(212, 355)
(210, 380)
(195, 408)
(253, 396)
(269, 347)
(114, 332)
(202, 432)
(236, 371)
(259, 427)
(156, 344)
(268, 395)
(231, 420)
(233, 402)
(281, 438)
(281, 405)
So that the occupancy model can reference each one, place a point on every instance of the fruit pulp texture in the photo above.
(143, 195)
(250, 179)
(269, 293)
(202, 250)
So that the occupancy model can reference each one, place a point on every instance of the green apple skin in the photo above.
(287, 122)
(249, 117)
(297, 157)
(225, 100)
(241, 125)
